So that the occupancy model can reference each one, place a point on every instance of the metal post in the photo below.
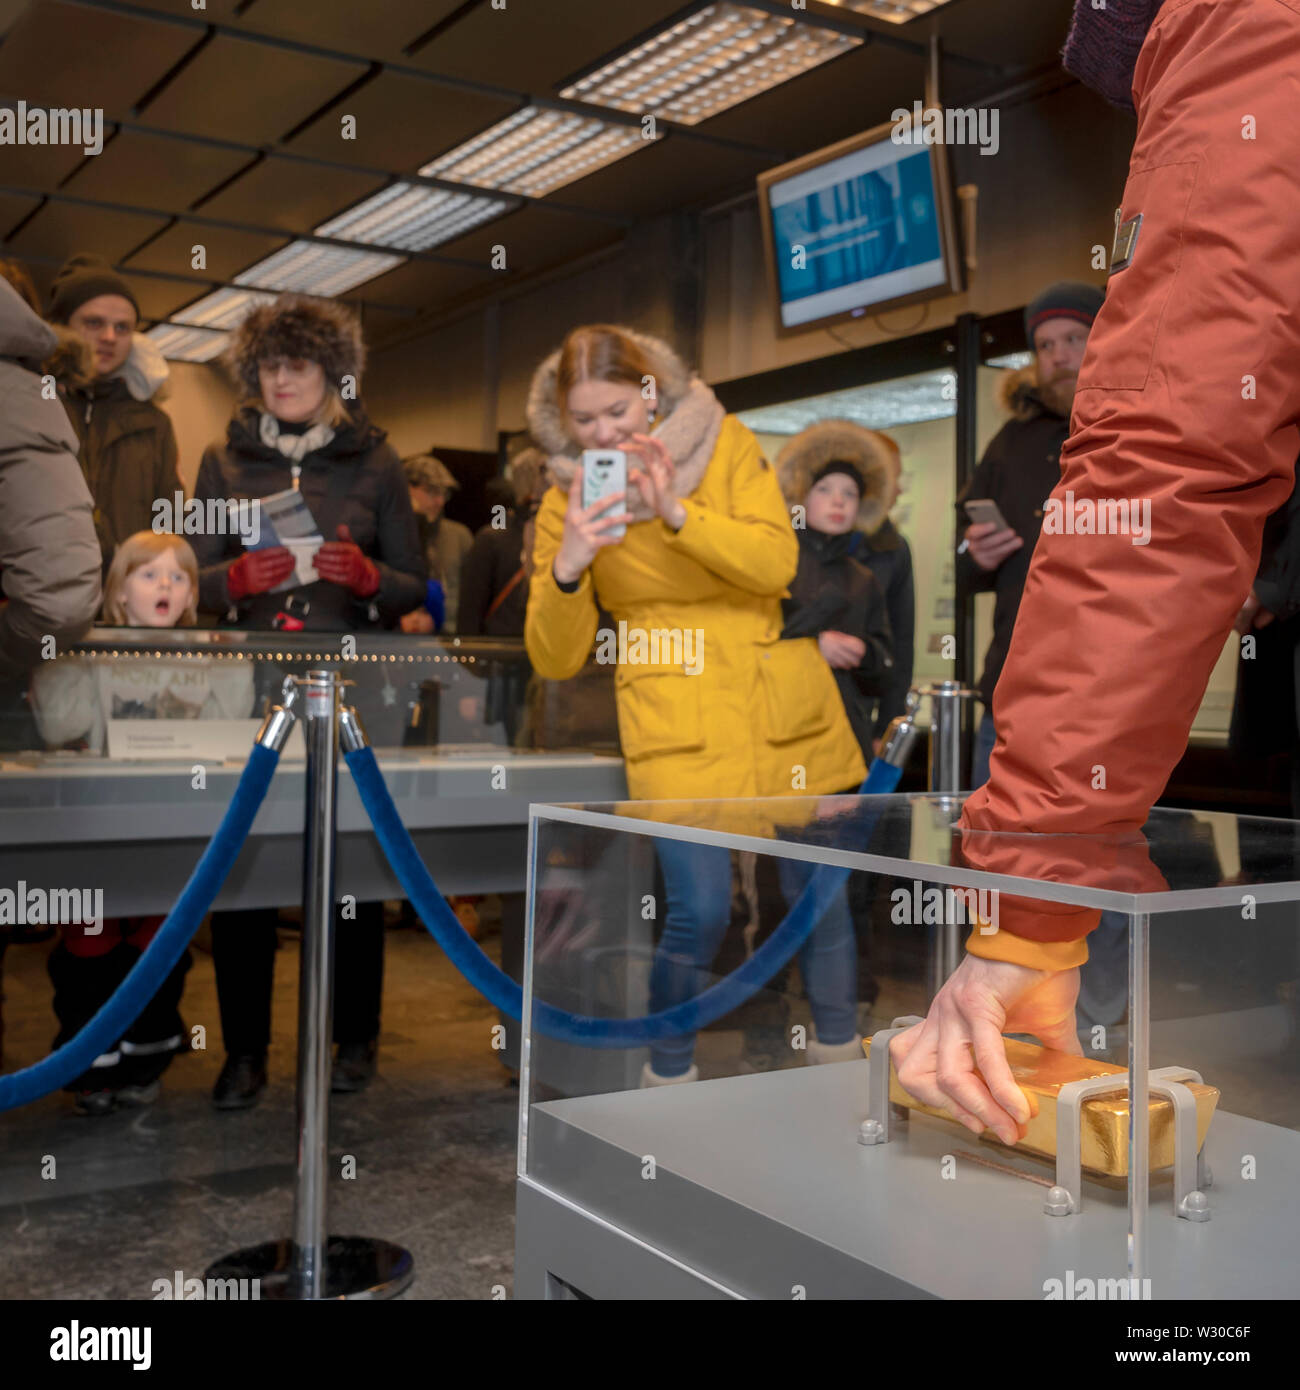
(1139, 1127)
(315, 998)
(313, 1264)
(949, 769)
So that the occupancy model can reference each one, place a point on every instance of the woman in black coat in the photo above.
(294, 430)
(298, 427)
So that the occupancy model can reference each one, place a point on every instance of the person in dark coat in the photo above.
(1266, 705)
(494, 576)
(1019, 470)
(293, 429)
(298, 426)
(126, 443)
(885, 552)
(836, 475)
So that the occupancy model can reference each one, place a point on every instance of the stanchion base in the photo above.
(355, 1267)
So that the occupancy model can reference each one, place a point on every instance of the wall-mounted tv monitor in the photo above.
(861, 226)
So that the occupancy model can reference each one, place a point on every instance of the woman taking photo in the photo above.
(709, 550)
(293, 430)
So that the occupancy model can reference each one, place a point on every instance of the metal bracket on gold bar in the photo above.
(1190, 1202)
(875, 1128)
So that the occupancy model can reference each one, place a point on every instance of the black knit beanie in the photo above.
(81, 278)
(839, 466)
(1069, 299)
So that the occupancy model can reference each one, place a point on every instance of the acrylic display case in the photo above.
(782, 1162)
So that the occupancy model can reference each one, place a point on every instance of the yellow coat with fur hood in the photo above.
(720, 706)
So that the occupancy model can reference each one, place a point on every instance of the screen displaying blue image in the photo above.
(857, 231)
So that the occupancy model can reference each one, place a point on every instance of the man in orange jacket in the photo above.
(1188, 399)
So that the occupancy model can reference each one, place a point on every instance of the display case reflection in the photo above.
(133, 693)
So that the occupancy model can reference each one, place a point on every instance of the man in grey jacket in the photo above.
(49, 555)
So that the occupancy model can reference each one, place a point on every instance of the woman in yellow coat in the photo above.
(711, 703)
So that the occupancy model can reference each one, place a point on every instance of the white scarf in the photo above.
(293, 446)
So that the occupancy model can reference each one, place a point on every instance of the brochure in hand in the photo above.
(286, 520)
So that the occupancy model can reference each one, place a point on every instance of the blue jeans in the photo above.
(697, 912)
(1103, 978)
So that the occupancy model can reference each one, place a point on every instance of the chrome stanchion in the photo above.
(313, 1265)
(315, 998)
(949, 767)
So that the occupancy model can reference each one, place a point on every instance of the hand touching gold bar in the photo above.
(1041, 1073)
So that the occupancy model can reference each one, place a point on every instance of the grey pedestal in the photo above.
(761, 1190)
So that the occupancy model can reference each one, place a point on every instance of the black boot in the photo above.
(354, 1066)
(242, 1080)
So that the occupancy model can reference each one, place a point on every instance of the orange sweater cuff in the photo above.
(1019, 950)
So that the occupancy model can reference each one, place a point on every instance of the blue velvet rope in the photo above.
(162, 953)
(503, 992)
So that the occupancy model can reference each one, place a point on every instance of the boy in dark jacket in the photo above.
(833, 474)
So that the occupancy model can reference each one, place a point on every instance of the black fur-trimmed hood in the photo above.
(297, 325)
(1017, 394)
(819, 444)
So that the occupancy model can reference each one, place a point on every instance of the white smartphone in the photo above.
(604, 471)
(984, 509)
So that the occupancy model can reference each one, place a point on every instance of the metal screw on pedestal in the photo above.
(871, 1132)
(1058, 1202)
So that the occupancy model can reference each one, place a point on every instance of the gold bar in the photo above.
(1103, 1120)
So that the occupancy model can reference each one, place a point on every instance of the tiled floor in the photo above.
(143, 1193)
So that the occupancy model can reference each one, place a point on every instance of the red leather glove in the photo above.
(256, 571)
(342, 562)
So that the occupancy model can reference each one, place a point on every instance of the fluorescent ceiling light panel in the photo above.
(712, 60)
(180, 343)
(893, 11)
(222, 309)
(536, 151)
(308, 267)
(413, 217)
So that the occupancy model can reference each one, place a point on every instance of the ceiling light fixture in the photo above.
(892, 11)
(222, 309)
(180, 343)
(710, 61)
(413, 217)
(309, 267)
(536, 151)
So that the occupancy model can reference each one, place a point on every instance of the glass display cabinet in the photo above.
(687, 1135)
(119, 757)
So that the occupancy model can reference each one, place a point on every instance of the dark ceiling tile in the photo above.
(379, 27)
(69, 55)
(535, 238)
(670, 173)
(129, 171)
(159, 298)
(420, 285)
(248, 92)
(227, 252)
(213, 11)
(40, 166)
(60, 229)
(1006, 34)
(532, 47)
(401, 123)
(284, 193)
(13, 209)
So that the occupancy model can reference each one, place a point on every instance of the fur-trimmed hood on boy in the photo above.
(831, 441)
